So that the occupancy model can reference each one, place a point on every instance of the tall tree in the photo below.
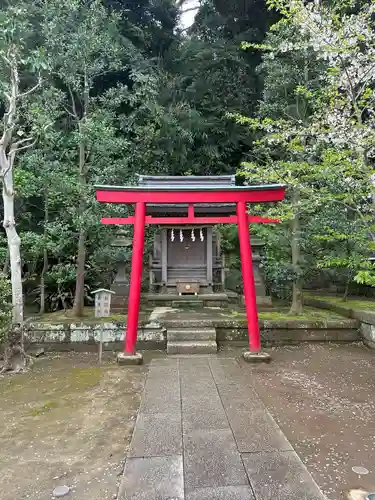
(20, 65)
(282, 152)
(297, 146)
(343, 36)
(84, 46)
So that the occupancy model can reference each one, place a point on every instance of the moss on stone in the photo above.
(359, 304)
(308, 314)
(280, 314)
(67, 317)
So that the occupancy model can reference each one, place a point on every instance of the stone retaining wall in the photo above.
(65, 336)
(366, 319)
(276, 333)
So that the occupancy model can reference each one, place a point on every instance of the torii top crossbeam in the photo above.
(190, 194)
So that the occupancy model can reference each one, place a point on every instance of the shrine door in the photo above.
(187, 259)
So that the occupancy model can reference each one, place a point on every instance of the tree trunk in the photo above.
(14, 246)
(79, 299)
(8, 149)
(42, 309)
(45, 261)
(346, 291)
(297, 303)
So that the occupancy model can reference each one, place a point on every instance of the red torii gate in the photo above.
(239, 195)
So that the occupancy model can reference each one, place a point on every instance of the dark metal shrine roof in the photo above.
(190, 188)
(192, 181)
(188, 183)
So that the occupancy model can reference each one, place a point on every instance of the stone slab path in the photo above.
(202, 433)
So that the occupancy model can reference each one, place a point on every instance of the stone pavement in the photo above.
(202, 433)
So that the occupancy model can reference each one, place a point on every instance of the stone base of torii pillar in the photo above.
(256, 357)
(124, 359)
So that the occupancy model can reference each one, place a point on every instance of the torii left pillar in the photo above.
(130, 356)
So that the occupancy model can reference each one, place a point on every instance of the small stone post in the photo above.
(102, 310)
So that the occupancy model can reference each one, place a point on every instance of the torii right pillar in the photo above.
(254, 354)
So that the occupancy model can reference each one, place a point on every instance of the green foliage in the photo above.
(5, 307)
(328, 188)
(366, 277)
(125, 91)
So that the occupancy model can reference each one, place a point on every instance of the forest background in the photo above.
(96, 91)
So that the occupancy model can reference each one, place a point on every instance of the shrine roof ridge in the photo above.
(190, 188)
(181, 180)
(182, 177)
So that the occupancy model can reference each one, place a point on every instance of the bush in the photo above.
(5, 307)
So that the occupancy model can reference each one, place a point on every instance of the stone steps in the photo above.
(191, 334)
(191, 341)
(202, 299)
(192, 347)
(188, 304)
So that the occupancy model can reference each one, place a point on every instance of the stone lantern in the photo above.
(263, 300)
(120, 285)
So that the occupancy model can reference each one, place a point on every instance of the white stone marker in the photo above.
(102, 310)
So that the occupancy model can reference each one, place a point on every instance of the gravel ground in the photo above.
(323, 398)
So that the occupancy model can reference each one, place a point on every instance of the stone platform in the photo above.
(203, 433)
(365, 317)
(188, 301)
(230, 326)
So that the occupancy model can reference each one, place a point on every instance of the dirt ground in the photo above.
(67, 422)
(323, 398)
